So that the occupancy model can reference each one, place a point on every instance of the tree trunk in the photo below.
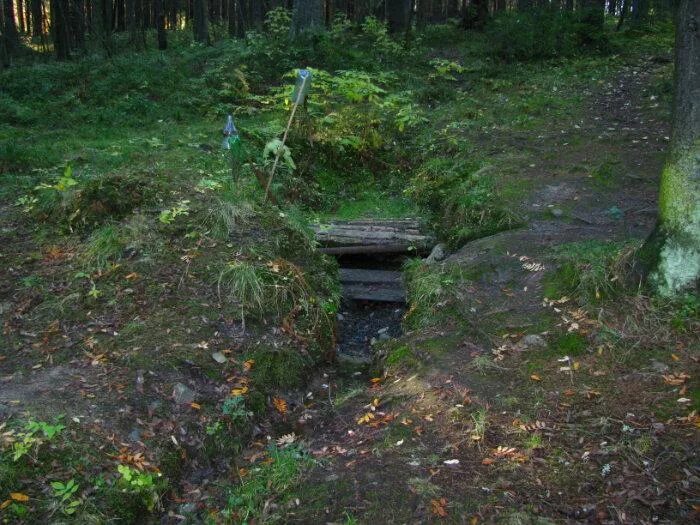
(397, 15)
(60, 29)
(307, 16)
(160, 25)
(20, 16)
(593, 12)
(673, 250)
(102, 24)
(623, 12)
(37, 18)
(9, 28)
(201, 22)
(476, 14)
(257, 13)
(77, 24)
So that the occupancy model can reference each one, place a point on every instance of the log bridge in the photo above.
(373, 237)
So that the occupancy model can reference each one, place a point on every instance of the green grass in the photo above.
(275, 479)
(588, 270)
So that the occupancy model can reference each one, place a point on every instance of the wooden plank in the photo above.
(374, 293)
(373, 249)
(356, 275)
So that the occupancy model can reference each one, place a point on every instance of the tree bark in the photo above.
(37, 18)
(9, 28)
(397, 15)
(593, 12)
(673, 251)
(201, 22)
(160, 25)
(307, 16)
(60, 28)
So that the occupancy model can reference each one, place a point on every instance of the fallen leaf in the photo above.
(488, 461)
(196, 406)
(18, 496)
(239, 391)
(535, 377)
(451, 462)
(287, 439)
(437, 507)
(676, 379)
(369, 416)
(5, 503)
(280, 405)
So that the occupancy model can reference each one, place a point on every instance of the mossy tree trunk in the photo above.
(672, 252)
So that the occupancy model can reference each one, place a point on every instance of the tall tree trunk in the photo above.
(37, 18)
(397, 15)
(159, 14)
(476, 14)
(60, 32)
(623, 11)
(77, 23)
(102, 24)
(593, 12)
(673, 250)
(201, 22)
(231, 18)
(4, 53)
(257, 13)
(20, 16)
(241, 18)
(307, 16)
(9, 28)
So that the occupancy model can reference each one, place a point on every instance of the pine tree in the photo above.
(673, 251)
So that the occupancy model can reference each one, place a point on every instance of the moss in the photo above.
(401, 355)
(279, 367)
(572, 344)
(678, 265)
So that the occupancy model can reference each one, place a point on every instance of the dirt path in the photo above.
(429, 448)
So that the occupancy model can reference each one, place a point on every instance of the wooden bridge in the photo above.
(373, 237)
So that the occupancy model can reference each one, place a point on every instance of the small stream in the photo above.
(364, 322)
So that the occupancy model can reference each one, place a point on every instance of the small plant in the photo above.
(445, 70)
(274, 479)
(169, 215)
(479, 422)
(140, 484)
(34, 435)
(234, 407)
(64, 492)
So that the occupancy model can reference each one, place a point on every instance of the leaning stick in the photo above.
(284, 137)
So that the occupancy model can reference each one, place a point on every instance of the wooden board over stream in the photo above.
(372, 236)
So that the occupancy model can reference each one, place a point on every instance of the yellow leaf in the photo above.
(577, 365)
(239, 391)
(376, 380)
(196, 406)
(18, 496)
(248, 365)
(675, 357)
(535, 377)
(369, 416)
(5, 503)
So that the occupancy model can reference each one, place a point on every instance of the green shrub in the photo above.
(544, 33)
(589, 270)
(463, 201)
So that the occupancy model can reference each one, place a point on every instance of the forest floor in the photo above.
(528, 385)
(586, 420)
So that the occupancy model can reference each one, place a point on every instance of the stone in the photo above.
(531, 342)
(183, 395)
(557, 212)
(438, 253)
(658, 366)
(219, 357)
